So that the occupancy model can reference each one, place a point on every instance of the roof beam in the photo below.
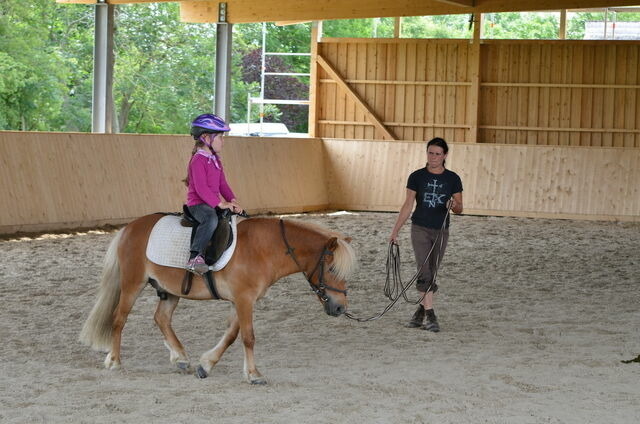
(463, 3)
(245, 11)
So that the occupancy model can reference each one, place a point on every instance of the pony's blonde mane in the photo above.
(345, 260)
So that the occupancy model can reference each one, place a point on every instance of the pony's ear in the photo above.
(332, 244)
(348, 239)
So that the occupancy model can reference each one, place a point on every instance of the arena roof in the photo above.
(245, 11)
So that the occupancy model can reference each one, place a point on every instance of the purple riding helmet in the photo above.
(207, 123)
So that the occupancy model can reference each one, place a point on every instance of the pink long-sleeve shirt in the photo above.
(207, 181)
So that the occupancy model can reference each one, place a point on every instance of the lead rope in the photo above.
(393, 286)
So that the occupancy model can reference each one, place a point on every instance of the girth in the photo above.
(209, 279)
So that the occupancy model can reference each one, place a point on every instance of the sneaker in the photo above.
(197, 265)
(417, 318)
(432, 322)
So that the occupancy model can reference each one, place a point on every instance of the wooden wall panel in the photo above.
(506, 180)
(537, 92)
(64, 180)
(578, 93)
(418, 88)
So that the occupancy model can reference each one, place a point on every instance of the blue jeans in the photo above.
(208, 219)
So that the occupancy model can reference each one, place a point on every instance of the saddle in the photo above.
(169, 246)
(222, 237)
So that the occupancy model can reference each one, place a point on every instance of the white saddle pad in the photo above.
(169, 244)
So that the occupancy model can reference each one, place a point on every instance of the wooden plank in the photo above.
(245, 11)
(461, 93)
(576, 94)
(555, 95)
(598, 94)
(380, 74)
(430, 94)
(370, 90)
(502, 98)
(565, 129)
(331, 50)
(390, 90)
(361, 72)
(524, 67)
(534, 94)
(421, 91)
(415, 83)
(619, 97)
(410, 94)
(461, 3)
(370, 115)
(630, 100)
(586, 109)
(609, 94)
(399, 124)
(450, 92)
(441, 75)
(401, 74)
(350, 115)
(314, 98)
(341, 61)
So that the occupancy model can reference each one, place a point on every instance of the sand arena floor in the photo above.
(536, 317)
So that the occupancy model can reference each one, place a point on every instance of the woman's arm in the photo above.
(405, 212)
(456, 202)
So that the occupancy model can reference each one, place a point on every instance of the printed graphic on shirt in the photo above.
(433, 194)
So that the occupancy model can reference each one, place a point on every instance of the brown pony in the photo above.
(267, 249)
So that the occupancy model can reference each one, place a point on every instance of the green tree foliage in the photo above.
(514, 25)
(444, 26)
(34, 67)
(163, 74)
(164, 68)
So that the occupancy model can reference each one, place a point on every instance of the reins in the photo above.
(321, 288)
(393, 286)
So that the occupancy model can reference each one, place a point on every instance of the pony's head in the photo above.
(336, 263)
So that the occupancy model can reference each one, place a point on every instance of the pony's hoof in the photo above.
(201, 373)
(111, 364)
(261, 381)
(183, 365)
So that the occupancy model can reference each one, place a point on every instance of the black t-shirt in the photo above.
(432, 193)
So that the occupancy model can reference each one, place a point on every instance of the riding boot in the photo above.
(417, 318)
(432, 321)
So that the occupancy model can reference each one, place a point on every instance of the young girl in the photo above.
(208, 187)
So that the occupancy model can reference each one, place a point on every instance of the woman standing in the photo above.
(434, 189)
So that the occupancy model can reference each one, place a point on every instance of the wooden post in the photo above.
(474, 77)
(563, 25)
(397, 27)
(314, 85)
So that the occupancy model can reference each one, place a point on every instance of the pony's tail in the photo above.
(97, 330)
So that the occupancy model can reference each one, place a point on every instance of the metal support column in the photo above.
(222, 100)
(102, 104)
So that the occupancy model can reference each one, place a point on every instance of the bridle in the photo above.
(321, 288)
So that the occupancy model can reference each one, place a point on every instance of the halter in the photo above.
(321, 288)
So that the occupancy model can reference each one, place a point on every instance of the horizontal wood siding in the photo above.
(505, 180)
(65, 180)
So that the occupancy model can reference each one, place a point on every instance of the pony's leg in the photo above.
(162, 317)
(244, 309)
(211, 357)
(130, 289)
